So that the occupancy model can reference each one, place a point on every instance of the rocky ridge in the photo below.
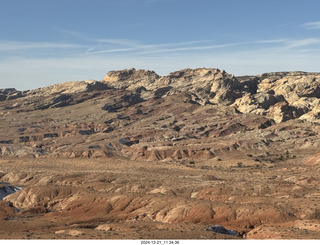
(188, 114)
(195, 148)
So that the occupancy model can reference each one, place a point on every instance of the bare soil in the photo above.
(66, 199)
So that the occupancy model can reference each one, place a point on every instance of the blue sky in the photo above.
(43, 42)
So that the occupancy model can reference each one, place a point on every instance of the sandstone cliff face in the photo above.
(130, 78)
(211, 85)
(188, 114)
(68, 88)
(285, 95)
(292, 85)
(281, 95)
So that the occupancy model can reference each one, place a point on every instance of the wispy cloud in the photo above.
(240, 62)
(302, 42)
(96, 46)
(115, 50)
(159, 50)
(89, 57)
(134, 47)
(113, 46)
(286, 24)
(129, 46)
(124, 42)
(289, 43)
(312, 25)
(13, 46)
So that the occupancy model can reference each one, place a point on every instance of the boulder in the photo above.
(292, 85)
(251, 103)
(130, 78)
(61, 100)
(208, 84)
(68, 88)
(15, 95)
(20, 150)
(160, 92)
(111, 108)
(131, 99)
(5, 92)
(312, 116)
(103, 227)
(282, 111)
(70, 232)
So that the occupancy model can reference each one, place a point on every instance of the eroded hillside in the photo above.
(184, 151)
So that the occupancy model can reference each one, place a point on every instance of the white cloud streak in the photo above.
(98, 56)
(312, 25)
(125, 46)
(130, 45)
(39, 72)
(6, 46)
(144, 49)
(102, 46)
(302, 42)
